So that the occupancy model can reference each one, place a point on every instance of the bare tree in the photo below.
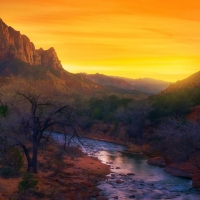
(32, 116)
(134, 117)
(179, 138)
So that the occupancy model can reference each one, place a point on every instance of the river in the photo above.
(131, 177)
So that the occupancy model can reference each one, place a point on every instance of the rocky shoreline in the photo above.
(142, 189)
(190, 169)
(181, 169)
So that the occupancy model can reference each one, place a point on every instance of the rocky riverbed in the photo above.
(132, 178)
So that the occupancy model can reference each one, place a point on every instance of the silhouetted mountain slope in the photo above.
(71, 82)
(192, 81)
(108, 80)
(178, 98)
(146, 85)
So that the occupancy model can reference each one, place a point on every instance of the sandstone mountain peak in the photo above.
(51, 49)
(1, 21)
(15, 45)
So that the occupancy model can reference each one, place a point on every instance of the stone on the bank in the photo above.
(184, 169)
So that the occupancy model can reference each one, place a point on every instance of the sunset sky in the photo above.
(130, 38)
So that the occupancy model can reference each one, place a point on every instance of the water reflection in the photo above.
(149, 182)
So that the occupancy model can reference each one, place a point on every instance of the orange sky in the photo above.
(131, 38)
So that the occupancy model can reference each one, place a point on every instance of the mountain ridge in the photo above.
(147, 85)
(16, 45)
(20, 58)
(190, 82)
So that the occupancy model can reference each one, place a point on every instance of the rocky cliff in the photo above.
(15, 45)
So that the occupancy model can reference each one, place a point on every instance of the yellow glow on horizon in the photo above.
(140, 38)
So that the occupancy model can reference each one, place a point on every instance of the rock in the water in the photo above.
(130, 174)
(119, 181)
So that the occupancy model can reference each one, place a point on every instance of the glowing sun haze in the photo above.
(130, 38)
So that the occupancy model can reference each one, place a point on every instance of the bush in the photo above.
(7, 171)
(3, 110)
(28, 183)
(14, 158)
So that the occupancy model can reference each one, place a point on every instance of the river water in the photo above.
(131, 177)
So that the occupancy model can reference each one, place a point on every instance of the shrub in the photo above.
(7, 171)
(3, 110)
(14, 158)
(28, 183)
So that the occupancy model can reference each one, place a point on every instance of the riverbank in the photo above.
(189, 169)
(73, 177)
(132, 148)
(133, 178)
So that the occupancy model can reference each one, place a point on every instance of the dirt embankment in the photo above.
(73, 177)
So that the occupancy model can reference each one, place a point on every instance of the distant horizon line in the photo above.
(115, 76)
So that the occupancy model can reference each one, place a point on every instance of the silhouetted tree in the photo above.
(31, 117)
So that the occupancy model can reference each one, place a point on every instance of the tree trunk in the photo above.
(27, 157)
(34, 158)
(35, 145)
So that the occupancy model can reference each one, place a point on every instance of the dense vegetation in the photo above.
(176, 103)
(154, 121)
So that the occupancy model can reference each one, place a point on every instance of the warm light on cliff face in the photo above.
(132, 38)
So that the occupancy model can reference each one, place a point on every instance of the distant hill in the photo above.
(108, 80)
(63, 80)
(192, 81)
(146, 85)
(178, 98)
